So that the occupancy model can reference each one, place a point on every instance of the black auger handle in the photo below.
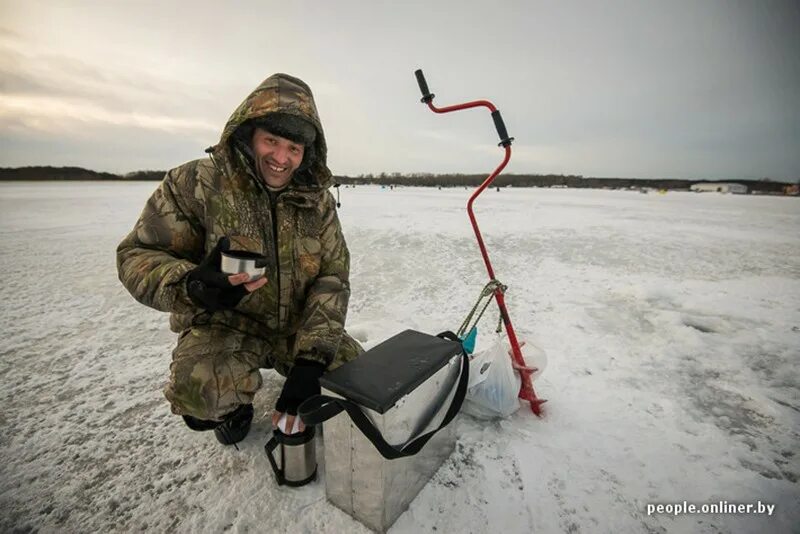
(505, 140)
(427, 96)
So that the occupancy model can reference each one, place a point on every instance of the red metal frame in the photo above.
(526, 391)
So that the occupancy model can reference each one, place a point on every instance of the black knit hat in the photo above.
(292, 127)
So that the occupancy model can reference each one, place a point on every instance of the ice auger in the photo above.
(526, 391)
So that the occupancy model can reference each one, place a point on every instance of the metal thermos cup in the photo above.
(293, 457)
(242, 261)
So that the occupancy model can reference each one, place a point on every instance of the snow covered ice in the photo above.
(671, 324)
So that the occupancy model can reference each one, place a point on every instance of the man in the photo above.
(264, 189)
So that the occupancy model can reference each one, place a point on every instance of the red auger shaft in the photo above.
(526, 391)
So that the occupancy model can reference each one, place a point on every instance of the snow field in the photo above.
(671, 324)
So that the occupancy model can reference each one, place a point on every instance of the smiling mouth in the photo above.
(277, 169)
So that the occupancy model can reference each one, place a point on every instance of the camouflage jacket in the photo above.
(307, 293)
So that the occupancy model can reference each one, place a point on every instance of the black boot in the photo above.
(235, 425)
(199, 425)
(233, 428)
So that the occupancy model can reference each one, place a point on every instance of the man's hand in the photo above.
(302, 383)
(213, 290)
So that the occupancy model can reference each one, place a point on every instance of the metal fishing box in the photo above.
(400, 396)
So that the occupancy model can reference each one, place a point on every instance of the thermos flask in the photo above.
(293, 457)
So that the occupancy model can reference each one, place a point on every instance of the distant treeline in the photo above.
(43, 174)
(547, 180)
(764, 185)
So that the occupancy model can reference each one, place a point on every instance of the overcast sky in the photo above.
(686, 89)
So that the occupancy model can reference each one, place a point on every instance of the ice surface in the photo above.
(671, 324)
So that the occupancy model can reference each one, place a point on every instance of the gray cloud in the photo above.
(609, 88)
(49, 94)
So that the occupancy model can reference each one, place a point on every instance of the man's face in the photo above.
(276, 157)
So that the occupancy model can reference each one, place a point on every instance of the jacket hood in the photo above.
(280, 93)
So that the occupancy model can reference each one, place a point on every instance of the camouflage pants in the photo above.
(215, 369)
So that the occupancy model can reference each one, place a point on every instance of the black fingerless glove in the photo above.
(208, 287)
(302, 383)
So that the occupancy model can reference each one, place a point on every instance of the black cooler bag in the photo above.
(400, 396)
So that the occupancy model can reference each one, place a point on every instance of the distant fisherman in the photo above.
(264, 191)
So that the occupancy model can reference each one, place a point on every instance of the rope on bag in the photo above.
(487, 293)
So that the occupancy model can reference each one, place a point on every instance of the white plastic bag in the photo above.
(535, 357)
(493, 387)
